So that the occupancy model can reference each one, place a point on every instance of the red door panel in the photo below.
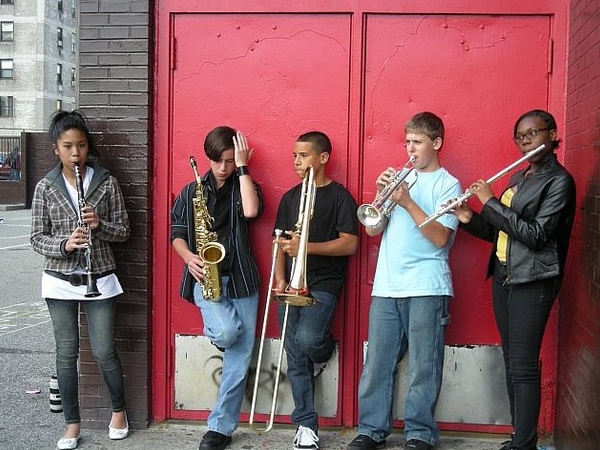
(468, 69)
(274, 77)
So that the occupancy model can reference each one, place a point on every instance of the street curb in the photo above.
(12, 207)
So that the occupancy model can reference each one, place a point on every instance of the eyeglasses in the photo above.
(519, 138)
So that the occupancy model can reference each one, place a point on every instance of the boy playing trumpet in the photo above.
(411, 291)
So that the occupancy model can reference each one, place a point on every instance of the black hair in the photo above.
(62, 121)
(217, 141)
(319, 141)
(545, 116)
(426, 123)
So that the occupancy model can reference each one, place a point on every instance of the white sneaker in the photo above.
(305, 439)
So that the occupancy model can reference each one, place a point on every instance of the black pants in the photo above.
(521, 313)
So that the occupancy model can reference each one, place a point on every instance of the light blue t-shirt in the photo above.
(409, 265)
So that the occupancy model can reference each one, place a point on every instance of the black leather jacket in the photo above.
(538, 223)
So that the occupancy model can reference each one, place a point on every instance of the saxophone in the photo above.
(207, 247)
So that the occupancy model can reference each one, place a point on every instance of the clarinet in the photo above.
(92, 289)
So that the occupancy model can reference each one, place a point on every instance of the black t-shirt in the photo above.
(334, 212)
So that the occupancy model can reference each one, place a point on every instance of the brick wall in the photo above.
(40, 159)
(577, 425)
(114, 85)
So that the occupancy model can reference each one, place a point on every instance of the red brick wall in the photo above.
(114, 79)
(577, 422)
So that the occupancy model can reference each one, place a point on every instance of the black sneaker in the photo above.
(364, 442)
(214, 440)
(415, 444)
(506, 445)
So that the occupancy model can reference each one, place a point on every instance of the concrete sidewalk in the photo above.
(187, 436)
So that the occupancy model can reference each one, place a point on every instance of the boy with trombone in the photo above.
(411, 291)
(333, 236)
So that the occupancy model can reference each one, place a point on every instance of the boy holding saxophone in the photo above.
(209, 232)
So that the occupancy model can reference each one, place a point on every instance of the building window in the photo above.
(60, 6)
(73, 76)
(72, 8)
(7, 2)
(72, 42)
(6, 68)
(7, 31)
(6, 107)
(59, 78)
(59, 104)
(59, 39)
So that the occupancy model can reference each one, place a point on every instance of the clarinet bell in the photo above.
(92, 289)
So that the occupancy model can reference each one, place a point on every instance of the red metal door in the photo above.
(274, 77)
(479, 73)
(358, 76)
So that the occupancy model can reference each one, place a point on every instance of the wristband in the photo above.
(242, 170)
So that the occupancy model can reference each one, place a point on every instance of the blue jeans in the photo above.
(396, 325)
(100, 318)
(521, 313)
(308, 340)
(229, 323)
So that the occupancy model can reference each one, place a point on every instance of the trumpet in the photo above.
(92, 289)
(468, 193)
(372, 214)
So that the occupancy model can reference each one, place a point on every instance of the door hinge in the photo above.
(550, 55)
(173, 51)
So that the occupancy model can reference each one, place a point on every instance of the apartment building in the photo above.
(38, 62)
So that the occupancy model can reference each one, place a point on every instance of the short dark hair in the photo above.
(319, 141)
(545, 116)
(426, 123)
(62, 121)
(217, 141)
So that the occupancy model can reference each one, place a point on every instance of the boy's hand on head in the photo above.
(241, 152)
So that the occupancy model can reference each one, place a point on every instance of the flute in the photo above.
(468, 193)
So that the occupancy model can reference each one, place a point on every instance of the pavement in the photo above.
(27, 363)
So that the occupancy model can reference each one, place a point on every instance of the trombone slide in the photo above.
(269, 423)
(468, 193)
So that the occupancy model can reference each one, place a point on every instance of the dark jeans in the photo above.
(308, 340)
(100, 319)
(521, 313)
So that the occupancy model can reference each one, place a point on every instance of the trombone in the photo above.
(371, 215)
(261, 345)
(468, 193)
(296, 293)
